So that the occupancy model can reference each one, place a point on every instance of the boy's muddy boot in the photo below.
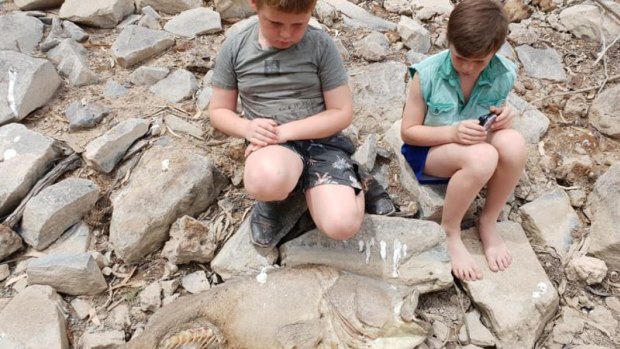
(376, 199)
(271, 221)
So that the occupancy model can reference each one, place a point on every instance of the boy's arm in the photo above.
(337, 116)
(413, 131)
(223, 117)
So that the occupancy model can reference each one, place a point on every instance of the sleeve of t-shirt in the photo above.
(224, 75)
(331, 69)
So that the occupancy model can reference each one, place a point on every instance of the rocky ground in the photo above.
(119, 90)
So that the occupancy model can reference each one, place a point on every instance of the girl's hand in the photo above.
(262, 132)
(469, 132)
(505, 115)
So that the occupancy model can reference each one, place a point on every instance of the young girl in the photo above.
(443, 137)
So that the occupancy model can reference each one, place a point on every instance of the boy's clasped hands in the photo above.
(262, 132)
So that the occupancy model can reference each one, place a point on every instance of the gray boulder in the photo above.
(26, 155)
(73, 274)
(195, 22)
(529, 121)
(588, 21)
(136, 44)
(96, 13)
(179, 85)
(104, 152)
(373, 47)
(56, 208)
(605, 112)
(233, 8)
(71, 59)
(9, 242)
(29, 83)
(20, 33)
(148, 75)
(34, 319)
(414, 35)
(378, 95)
(83, 116)
(169, 6)
(497, 295)
(541, 63)
(604, 202)
(401, 251)
(167, 184)
(190, 241)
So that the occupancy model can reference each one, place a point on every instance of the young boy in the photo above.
(443, 137)
(294, 93)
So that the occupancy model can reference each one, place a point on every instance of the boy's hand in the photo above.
(469, 132)
(262, 132)
(252, 148)
(505, 115)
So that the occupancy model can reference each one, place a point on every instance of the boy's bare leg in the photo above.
(512, 152)
(336, 210)
(271, 173)
(470, 168)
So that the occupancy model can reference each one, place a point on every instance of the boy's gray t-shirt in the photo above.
(284, 85)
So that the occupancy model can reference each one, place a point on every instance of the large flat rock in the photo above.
(605, 112)
(551, 220)
(405, 251)
(169, 6)
(73, 274)
(604, 202)
(55, 209)
(34, 320)
(27, 85)
(378, 95)
(96, 13)
(517, 302)
(198, 21)
(239, 256)
(26, 155)
(136, 44)
(20, 33)
(166, 185)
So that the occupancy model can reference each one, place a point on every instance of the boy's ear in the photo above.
(253, 5)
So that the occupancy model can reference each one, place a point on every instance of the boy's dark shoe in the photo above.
(377, 200)
(271, 221)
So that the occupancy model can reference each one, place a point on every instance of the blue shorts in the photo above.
(416, 157)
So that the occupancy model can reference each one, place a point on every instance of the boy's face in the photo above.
(280, 29)
(469, 66)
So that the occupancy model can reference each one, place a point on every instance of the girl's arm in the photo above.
(337, 116)
(413, 131)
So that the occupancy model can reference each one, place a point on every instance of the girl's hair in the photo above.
(477, 27)
(288, 6)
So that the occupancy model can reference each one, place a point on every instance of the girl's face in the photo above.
(279, 29)
(469, 67)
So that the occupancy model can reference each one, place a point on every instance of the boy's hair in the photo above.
(477, 27)
(288, 6)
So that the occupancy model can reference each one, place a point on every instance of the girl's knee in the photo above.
(481, 161)
(511, 146)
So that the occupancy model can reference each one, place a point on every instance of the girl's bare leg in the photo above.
(512, 152)
(470, 167)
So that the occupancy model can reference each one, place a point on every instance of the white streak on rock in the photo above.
(383, 250)
(11, 94)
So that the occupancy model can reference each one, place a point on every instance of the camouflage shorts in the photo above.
(326, 161)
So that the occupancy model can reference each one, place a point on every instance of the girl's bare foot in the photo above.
(464, 266)
(495, 250)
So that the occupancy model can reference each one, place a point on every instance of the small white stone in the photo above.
(9, 154)
(165, 165)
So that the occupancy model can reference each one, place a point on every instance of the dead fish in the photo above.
(306, 307)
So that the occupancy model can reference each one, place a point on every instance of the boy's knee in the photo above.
(340, 228)
(265, 184)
